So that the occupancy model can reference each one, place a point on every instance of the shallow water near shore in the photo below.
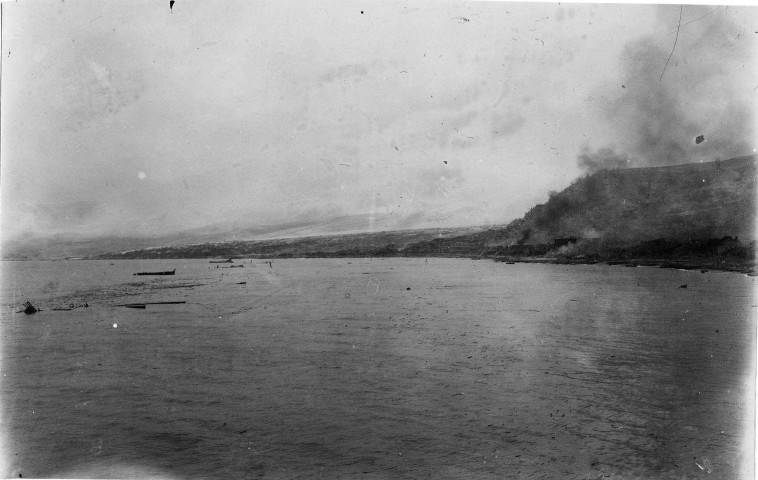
(376, 368)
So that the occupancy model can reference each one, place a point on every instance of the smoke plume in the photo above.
(661, 109)
(605, 158)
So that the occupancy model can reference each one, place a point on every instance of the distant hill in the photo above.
(681, 202)
(356, 244)
(693, 214)
(290, 237)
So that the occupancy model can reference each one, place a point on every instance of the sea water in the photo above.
(376, 368)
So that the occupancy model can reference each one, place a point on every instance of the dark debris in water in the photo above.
(29, 308)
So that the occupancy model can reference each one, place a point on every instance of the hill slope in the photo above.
(681, 212)
(682, 202)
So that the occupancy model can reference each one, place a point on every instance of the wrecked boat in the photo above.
(29, 308)
(172, 272)
(222, 261)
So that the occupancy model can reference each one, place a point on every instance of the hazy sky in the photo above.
(125, 117)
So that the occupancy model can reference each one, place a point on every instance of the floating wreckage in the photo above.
(222, 261)
(172, 272)
(144, 304)
(71, 306)
(29, 308)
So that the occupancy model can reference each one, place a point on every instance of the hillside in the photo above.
(695, 214)
(681, 202)
(357, 244)
(230, 238)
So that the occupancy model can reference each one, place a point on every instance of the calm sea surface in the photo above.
(376, 368)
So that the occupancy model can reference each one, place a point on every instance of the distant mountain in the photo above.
(678, 211)
(368, 244)
(359, 231)
(58, 247)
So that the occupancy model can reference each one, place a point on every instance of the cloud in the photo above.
(658, 110)
(460, 98)
(503, 125)
(67, 216)
(102, 74)
(439, 181)
(325, 107)
(454, 130)
(604, 158)
(344, 72)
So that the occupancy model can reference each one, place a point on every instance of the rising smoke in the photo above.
(659, 113)
(604, 158)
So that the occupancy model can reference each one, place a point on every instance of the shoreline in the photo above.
(749, 268)
(704, 265)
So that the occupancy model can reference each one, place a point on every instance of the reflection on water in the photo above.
(383, 368)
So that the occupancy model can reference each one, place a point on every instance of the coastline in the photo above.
(735, 265)
(702, 264)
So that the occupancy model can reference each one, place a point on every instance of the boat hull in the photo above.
(172, 272)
